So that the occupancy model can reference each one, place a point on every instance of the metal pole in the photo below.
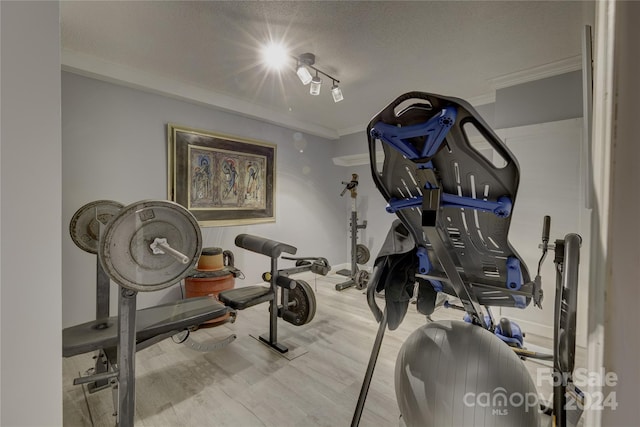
(567, 259)
(102, 291)
(369, 374)
(354, 238)
(559, 389)
(126, 357)
(103, 304)
(273, 315)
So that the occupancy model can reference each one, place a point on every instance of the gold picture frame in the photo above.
(221, 179)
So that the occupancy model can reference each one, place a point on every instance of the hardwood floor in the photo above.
(248, 384)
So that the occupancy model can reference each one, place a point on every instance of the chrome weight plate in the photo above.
(150, 245)
(85, 223)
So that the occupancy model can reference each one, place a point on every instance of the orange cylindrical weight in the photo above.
(211, 259)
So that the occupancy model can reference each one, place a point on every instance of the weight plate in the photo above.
(85, 223)
(126, 253)
(361, 279)
(302, 302)
(362, 254)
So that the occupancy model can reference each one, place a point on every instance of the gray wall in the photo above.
(370, 204)
(114, 146)
(545, 100)
(30, 175)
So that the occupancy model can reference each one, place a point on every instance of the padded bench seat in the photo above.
(241, 298)
(150, 322)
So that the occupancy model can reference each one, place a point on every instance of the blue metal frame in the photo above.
(434, 130)
(501, 207)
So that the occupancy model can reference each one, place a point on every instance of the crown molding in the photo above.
(352, 129)
(487, 98)
(551, 69)
(483, 99)
(356, 159)
(91, 66)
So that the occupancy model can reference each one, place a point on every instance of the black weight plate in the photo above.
(361, 279)
(84, 226)
(125, 251)
(362, 254)
(305, 303)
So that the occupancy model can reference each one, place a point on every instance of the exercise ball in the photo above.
(452, 373)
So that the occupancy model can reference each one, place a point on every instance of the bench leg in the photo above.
(126, 357)
(272, 339)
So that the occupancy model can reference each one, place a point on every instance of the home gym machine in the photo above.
(146, 246)
(297, 300)
(451, 237)
(359, 252)
(149, 246)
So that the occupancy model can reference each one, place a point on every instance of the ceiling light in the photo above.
(304, 66)
(303, 74)
(336, 92)
(274, 55)
(316, 82)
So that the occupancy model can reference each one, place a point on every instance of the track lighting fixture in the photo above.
(336, 92)
(303, 73)
(316, 82)
(304, 63)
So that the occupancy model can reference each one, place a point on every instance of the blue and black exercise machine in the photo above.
(454, 208)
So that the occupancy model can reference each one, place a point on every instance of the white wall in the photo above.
(622, 339)
(370, 204)
(552, 162)
(30, 176)
(114, 146)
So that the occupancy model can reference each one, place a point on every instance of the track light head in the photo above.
(303, 74)
(336, 92)
(316, 82)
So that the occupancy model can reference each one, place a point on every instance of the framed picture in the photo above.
(220, 179)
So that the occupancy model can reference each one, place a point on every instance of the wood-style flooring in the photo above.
(247, 384)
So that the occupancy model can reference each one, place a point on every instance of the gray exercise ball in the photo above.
(452, 373)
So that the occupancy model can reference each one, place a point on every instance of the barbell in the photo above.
(146, 246)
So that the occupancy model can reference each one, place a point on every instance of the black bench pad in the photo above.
(150, 322)
(270, 248)
(241, 298)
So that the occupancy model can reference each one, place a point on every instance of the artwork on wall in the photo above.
(220, 179)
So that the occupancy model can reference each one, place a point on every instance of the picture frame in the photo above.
(222, 180)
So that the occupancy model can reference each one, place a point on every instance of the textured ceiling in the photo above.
(377, 49)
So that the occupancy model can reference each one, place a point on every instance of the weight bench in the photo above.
(454, 207)
(297, 300)
(153, 325)
(146, 246)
